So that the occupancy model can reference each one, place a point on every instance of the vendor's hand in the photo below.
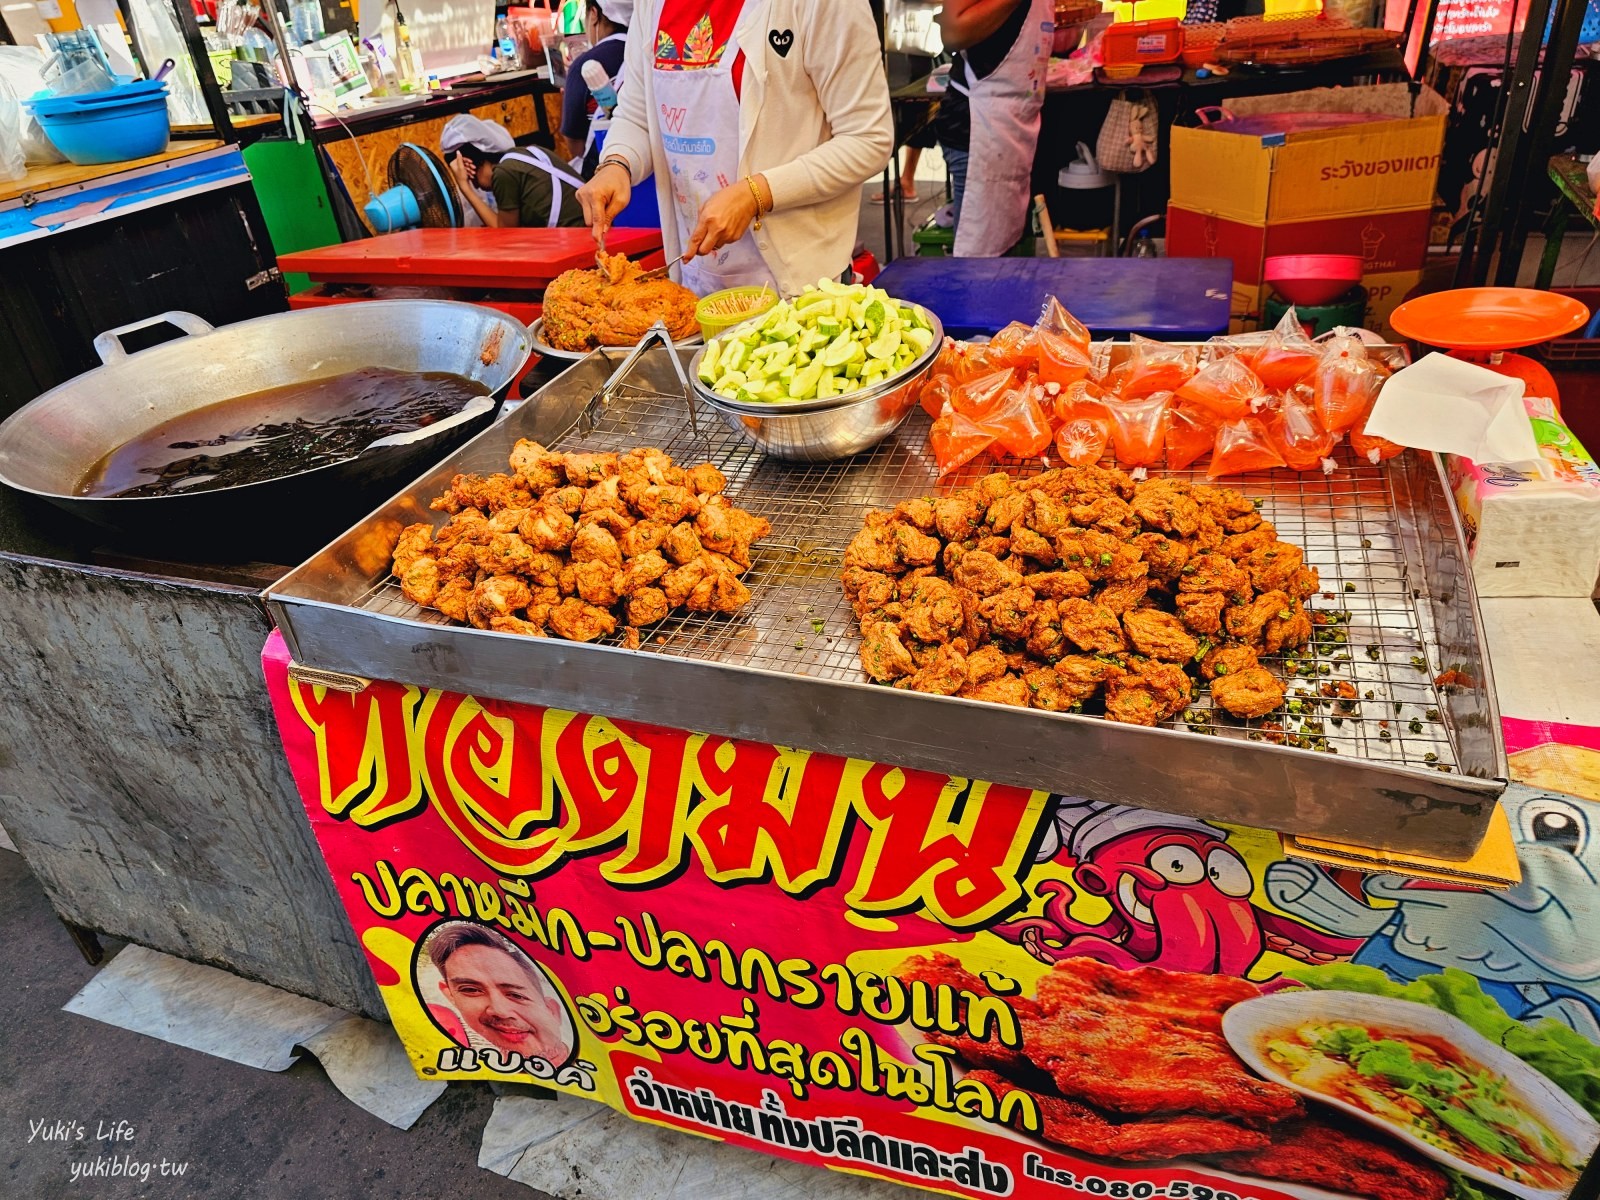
(723, 219)
(604, 196)
(461, 170)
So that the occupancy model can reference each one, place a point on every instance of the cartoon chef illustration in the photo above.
(1180, 896)
(1535, 948)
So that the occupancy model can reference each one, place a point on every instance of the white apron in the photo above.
(699, 112)
(535, 157)
(1005, 134)
(599, 119)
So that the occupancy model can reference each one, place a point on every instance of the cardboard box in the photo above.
(1386, 242)
(1384, 166)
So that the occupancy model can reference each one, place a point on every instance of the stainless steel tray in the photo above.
(785, 669)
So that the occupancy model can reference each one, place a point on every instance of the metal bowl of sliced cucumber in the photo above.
(823, 376)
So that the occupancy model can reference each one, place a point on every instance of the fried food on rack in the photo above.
(1075, 590)
(586, 308)
(1253, 692)
(572, 542)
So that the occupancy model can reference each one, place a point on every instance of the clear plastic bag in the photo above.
(1242, 446)
(22, 75)
(1018, 421)
(1139, 429)
(1063, 344)
(1152, 367)
(1298, 435)
(1287, 356)
(1191, 433)
(1226, 387)
(957, 440)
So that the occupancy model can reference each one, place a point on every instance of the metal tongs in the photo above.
(656, 332)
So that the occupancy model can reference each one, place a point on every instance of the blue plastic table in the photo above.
(1168, 298)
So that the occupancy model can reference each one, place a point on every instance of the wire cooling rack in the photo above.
(1365, 687)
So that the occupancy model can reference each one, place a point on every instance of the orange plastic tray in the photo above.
(1140, 43)
(1488, 318)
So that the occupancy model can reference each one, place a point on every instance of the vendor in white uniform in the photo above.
(528, 187)
(760, 120)
(988, 120)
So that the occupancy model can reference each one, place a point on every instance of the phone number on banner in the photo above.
(1034, 1167)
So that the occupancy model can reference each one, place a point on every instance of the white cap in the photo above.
(1082, 826)
(618, 12)
(466, 130)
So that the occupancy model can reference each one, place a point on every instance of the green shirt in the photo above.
(525, 190)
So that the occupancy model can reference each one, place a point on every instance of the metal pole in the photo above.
(1510, 160)
(1545, 106)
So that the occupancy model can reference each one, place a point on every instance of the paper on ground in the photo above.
(1441, 403)
(202, 1008)
(5, 841)
(574, 1148)
(366, 1062)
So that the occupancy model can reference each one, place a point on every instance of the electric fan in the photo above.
(421, 192)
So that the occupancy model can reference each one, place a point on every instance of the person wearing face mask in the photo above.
(760, 120)
(606, 23)
(529, 189)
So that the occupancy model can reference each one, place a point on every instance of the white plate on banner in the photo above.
(1250, 1024)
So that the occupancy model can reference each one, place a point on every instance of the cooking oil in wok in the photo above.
(277, 432)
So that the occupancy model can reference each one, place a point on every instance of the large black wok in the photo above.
(51, 443)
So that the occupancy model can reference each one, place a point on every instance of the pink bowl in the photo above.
(1312, 279)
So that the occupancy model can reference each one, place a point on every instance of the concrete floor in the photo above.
(241, 1133)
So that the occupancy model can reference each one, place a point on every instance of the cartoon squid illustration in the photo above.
(1535, 948)
(1179, 895)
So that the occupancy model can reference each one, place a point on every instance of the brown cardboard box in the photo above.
(1381, 166)
(1387, 241)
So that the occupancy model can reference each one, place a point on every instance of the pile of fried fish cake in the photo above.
(577, 545)
(1080, 590)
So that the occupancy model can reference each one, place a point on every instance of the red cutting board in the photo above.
(474, 258)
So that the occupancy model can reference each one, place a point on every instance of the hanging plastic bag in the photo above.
(1151, 367)
(1139, 429)
(1226, 388)
(1374, 449)
(1343, 385)
(1017, 345)
(1242, 446)
(1299, 436)
(1063, 345)
(1287, 356)
(957, 440)
(1191, 433)
(1018, 421)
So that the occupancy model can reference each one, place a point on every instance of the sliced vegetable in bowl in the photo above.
(830, 341)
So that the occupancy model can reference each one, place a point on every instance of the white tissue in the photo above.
(1441, 403)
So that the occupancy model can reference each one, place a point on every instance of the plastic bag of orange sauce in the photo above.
(1242, 446)
(1018, 421)
(1081, 442)
(1226, 387)
(1063, 344)
(949, 357)
(976, 396)
(1151, 367)
(957, 440)
(1287, 356)
(1191, 433)
(1017, 345)
(1139, 429)
(1298, 435)
(1373, 449)
(936, 393)
(1068, 402)
(1344, 384)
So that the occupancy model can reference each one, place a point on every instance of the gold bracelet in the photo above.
(756, 192)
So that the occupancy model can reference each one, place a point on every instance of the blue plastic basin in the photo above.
(106, 127)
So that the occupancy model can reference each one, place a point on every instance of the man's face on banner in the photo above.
(498, 998)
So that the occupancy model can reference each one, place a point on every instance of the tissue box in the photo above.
(1530, 536)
